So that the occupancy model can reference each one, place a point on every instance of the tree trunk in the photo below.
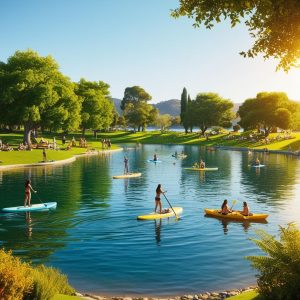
(83, 132)
(95, 134)
(27, 135)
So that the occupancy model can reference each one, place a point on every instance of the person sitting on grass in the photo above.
(21, 147)
(225, 208)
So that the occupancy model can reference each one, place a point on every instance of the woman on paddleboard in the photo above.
(159, 191)
(28, 189)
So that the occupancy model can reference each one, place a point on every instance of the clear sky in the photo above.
(136, 42)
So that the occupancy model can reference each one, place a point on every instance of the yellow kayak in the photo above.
(235, 215)
(128, 175)
(170, 213)
(202, 169)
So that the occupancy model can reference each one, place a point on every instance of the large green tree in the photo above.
(134, 95)
(139, 115)
(274, 24)
(34, 93)
(209, 109)
(97, 110)
(268, 111)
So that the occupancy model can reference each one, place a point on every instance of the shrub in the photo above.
(236, 127)
(48, 282)
(279, 276)
(15, 277)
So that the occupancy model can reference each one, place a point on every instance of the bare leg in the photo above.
(155, 206)
(25, 200)
(29, 198)
(159, 203)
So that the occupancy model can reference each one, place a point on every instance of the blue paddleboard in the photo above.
(33, 207)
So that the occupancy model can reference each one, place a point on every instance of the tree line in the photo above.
(266, 112)
(35, 94)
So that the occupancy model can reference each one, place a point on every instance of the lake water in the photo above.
(94, 237)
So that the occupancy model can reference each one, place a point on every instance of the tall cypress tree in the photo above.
(183, 110)
(188, 116)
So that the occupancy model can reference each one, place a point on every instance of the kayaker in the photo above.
(155, 157)
(257, 162)
(225, 208)
(246, 210)
(28, 189)
(126, 165)
(202, 164)
(159, 191)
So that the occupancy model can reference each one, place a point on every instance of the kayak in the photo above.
(154, 161)
(202, 169)
(152, 216)
(235, 215)
(33, 207)
(256, 166)
(129, 175)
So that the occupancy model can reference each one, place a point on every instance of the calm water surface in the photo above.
(94, 237)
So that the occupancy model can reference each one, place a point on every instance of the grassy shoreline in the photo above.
(231, 140)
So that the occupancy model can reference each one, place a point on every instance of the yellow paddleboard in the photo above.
(128, 175)
(152, 216)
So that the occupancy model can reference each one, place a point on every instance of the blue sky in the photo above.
(136, 42)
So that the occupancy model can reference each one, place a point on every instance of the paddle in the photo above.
(40, 199)
(233, 204)
(171, 207)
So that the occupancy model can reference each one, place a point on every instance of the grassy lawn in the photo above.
(252, 295)
(156, 137)
(36, 155)
(153, 137)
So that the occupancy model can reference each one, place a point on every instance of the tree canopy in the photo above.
(183, 109)
(140, 114)
(268, 110)
(209, 109)
(33, 93)
(133, 95)
(97, 110)
(274, 24)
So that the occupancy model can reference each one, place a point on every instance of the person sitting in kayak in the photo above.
(155, 157)
(157, 198)
(246, 210)
(202, 164)
(28, 189)
(257, 162)
(225, 208)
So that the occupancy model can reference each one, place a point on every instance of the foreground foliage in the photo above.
(49, 282)
(268, 22)
(280, 270)
(15, 279)
(19, 280)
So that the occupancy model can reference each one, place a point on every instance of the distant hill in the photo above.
(117, 103)
(171, 107)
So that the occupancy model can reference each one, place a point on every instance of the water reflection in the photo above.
(246, 224)
(29, 224)
(157, 225)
